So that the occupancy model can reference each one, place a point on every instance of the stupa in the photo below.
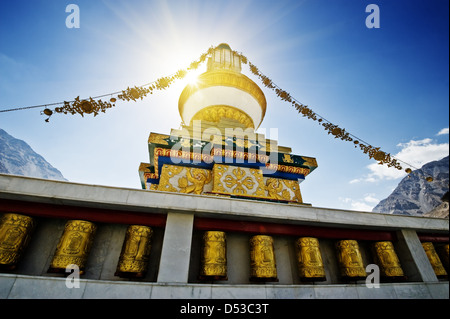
(218, 150)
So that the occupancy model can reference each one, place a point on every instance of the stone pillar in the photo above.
(415, 262)
(176, 248)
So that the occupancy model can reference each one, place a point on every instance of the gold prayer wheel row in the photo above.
(309, 259)
(74, 245)
(351, 264)
(76, 241)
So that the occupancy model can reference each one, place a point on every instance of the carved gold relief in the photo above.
(434, 259)
(214, 256)
(156, 138)
(187, 180)
(287, 158)
(309, 259)
(350, 260)
(386, 259)
(241, 181)
(216, 112)
(262, 259)
(15, 233)
(282, 189)
(74, 246)
(309, 161)
(134, 257)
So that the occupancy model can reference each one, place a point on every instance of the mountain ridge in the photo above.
(414, 196)
(18, 158)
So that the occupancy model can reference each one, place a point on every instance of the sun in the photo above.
(191, 77)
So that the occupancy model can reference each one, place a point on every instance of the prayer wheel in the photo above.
(214, 256)
(15, 234)
(135, 254)
(74, 246)
(443, 255)
(386, 258)
(350, 260)
(309, 259)
(262, 259)
(434, 259)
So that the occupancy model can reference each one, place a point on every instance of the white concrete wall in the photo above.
(29, 287)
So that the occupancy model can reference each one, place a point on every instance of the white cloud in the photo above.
(415, 153)
(370, 199)
(444, 131)
(365, 204)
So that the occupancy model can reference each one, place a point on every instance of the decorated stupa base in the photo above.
(242, 164)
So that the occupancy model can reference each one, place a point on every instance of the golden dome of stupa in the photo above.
(223, 92)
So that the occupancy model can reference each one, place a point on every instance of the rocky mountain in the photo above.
(18, 158)
(414, 195)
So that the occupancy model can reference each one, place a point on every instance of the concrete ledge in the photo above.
(33, 287)
(60, 192)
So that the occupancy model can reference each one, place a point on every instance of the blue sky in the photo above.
(387, 86)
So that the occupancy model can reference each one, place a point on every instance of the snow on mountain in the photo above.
(18, 158)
